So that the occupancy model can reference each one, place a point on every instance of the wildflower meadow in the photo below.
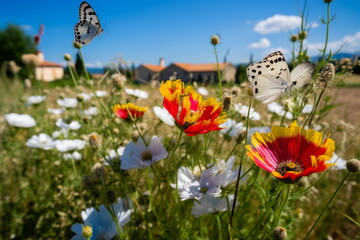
(271, 157)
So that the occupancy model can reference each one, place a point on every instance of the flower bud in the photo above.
(353, 165)
(294, 38)
(241, 137)
(215, 40)
(95, 141)
(67, 57)
(327, 73)
(302, 35)
(87, 232)
(80, 97)
(249, 92)
(279, 233)
(227, 103)
(118, 81)
(77, 45)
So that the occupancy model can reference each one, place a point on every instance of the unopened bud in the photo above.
(80, 97)
(294, 38)
(249, 92)
(87, 232)
(67, 57)
(353, 165)
(227, 103)
(241, 137)
(215, 40)
(327, 73)
(116, 131)
(118, 81)
(279, 233)
(86, 119)
(302, 35)
(77, 45)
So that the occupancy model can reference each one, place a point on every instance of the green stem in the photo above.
(282, 206)
(327, 32)
(283, 118)
(327, 205)
(219, 74)
(219, 226)
(73, 77)
(241, 160)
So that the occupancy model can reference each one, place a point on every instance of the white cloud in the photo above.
(97, 64)
(349, 44)
(263, 43)
(277, 23)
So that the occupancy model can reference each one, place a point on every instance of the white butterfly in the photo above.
(89, 25)
(271, 77)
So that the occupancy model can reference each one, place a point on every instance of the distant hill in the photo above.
(338, 56)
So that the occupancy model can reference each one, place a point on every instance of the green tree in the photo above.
(14, 43)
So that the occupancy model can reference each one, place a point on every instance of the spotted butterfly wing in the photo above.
(89, 25)
(270, 78)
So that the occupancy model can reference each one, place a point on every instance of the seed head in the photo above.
(353, 165)
(80, 97)
(118, 80)
(279, 233)
(215, 40)
(95, 141)
(327, 73)
(294, 38)
(67, 57)
(302, 35)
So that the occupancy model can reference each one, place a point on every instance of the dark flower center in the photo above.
(146, 156)
(287, 166)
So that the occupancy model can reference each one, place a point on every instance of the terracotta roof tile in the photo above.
(49, 64)
(207, 67)
(154, 68)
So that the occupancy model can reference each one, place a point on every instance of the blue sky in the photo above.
(142, 31)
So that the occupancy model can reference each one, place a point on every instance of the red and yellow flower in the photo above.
(290, 153)
(191, 113)
(129, 111)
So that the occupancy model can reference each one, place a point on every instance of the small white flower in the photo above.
(279, 110)
(113, 156)
(20, 120)
(243, 110)
(33, 100)
(164, 115)
(137, 155)
(209, 204)
(67, 102)
(340, 164)
(99, 93)
(91, 111)
(86, 97)
(231, 128)
(72, 156)
(307, 109)
(102, 222)
(69, 145)
(137, 93)
(56, 111)
(63, 132)
(42, 141)
(74, 125)
(203, 91)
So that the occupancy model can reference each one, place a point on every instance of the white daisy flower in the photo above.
(279, 110)
(99, 93)
(67, 102)
(42, 141)
(72, 156)
(101, 221)
(164, 115)
(307, 109)
(340, 164)
(69, 145)
(137, 155)
(203, 91)
(20, 120)
(209, 204)
(243, 110)
(91, 111)
(56, 111)
(231, 128)
(33, 100)
(74, 125)
(86, 97)
(137, 93)
(113, 155)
